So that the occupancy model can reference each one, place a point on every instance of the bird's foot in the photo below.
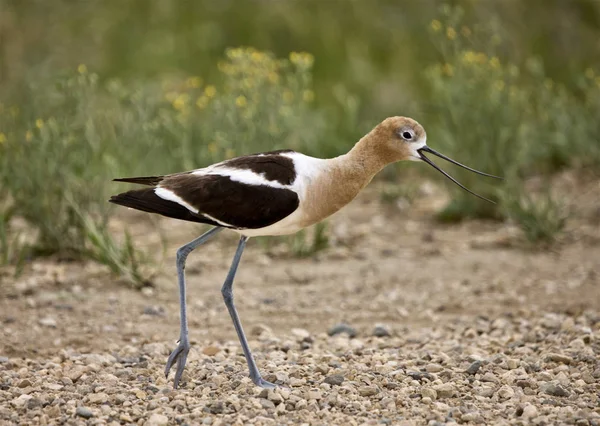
(180, 355)
(262, 383)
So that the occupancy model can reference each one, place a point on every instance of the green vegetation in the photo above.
(153, 87)
(510, 120)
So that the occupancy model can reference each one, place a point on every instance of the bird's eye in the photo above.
(407, 135)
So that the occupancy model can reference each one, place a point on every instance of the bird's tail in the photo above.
(146, 200)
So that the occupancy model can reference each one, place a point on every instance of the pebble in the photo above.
(157, 420)
(381, 331)
(429, 393)
(157, 311)
(48, 322)
(506, 392)
(433, 368)
(84, 412)
(489, 377)
(444, 390)
(334, 380)
(559, 358)
(529, 412)
(341, 329)
(512, 363)
(474, 367)
(367, 390)
(301, 333)
(554, 390)
(210, 350)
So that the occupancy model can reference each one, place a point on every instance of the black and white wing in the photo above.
(247, 192)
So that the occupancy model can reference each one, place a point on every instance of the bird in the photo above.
(268, 194)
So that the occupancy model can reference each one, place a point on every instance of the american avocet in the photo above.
(272, 193)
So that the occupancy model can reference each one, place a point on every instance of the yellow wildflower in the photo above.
(241, 101)
(302, 59)
(28, 135)
(193, 82)
(494, 62)
(499, 85)
(308, 96)
(466, 31)
(39, 123)
(82, 69)
(181, 101)
(468, 56)
(210, 91)
(235, 53)
(257, 56)
(481, 58)
(2, 138)
(436, 25)
(288, 96)
(450, 33)
(589, 73)
(229, 153)
(273, 77)
(213, 148)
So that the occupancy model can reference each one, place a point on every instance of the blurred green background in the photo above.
(91, 90)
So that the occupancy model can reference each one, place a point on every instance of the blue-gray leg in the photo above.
(181, 351)
(227, 291)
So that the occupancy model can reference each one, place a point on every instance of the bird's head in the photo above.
(402, 138)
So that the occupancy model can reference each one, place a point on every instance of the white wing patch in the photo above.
(167, 194)
(245, 176)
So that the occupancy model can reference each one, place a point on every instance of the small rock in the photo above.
(34, 403)
(157, 420)
(506, 392)
(75, 373)
(3, 359)
(334, 380)
(342, 328)
(429, 393)
(474, 367)
(48, 322)
(210, 350)
(512, 363)
(98, 398)
(381, 331)
(367, 390)
(24, 383)
(564, 359)
(554, 390)
(433, 368)
(314, 394)
(473, 416)
(274, 396)
(156, 311)
(301, 334)
(445, 390)
(419, 375)
(489, 377)
(265, 403)
(84, 412)
(529, 412)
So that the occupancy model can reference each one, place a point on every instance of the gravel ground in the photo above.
(512, 370)
(429, 325)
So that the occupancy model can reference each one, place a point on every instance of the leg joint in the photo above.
(227, 293)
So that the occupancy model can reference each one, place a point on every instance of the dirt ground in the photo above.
(482, 328)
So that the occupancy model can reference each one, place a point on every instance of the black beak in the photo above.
(432, 164)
